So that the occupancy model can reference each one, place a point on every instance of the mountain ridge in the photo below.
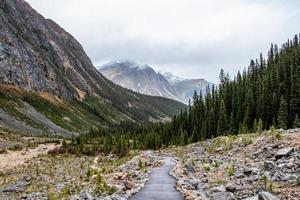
(144, 79)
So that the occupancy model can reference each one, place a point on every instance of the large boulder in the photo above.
(266, 196)
(284, 152)
(222, 196)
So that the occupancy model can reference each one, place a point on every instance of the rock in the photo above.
(269, 165)
(266, 196)
(288, 177)
(248, 170)
(219, 149)
(190, 168)
(254, 178)
(290, 165)
(252, 198)
(284, 152)
(82, 195)
(128, 185)
(222, 196)
(230, 187)
(220, 188)
(194, 183)
(27, 178)
(266, 152)
(277, 176)
(19, 186)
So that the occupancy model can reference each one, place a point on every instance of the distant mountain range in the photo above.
(145, 80)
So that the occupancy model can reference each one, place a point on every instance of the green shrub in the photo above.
(278, 136)
(2, 151)
(230, 170)
(220, 182)
(206, 167)
(15, 147)
(246, 140)
(215, 164)
(267, 183)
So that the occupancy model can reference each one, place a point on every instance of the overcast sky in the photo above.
(190, 38)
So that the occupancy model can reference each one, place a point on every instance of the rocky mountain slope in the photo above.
(144, 79)
(45, 74)
(139, 78)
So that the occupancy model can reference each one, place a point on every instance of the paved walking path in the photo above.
(161, 186)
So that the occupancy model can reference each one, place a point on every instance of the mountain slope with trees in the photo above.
(39, 58)
(265, 94)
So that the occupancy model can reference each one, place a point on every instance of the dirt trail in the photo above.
(14, 158)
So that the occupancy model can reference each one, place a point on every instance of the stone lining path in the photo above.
(161, 186)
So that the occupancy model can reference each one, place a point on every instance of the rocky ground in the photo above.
(253, 166)
(28, 172)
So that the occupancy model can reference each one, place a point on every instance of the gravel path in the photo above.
(161, 186)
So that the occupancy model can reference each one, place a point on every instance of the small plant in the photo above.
(229, 142)
(2, 151)
(37, 171)
(264, 180)
(246, 140)
(112, 190)
(220, 182)
(64, 143)
(206, 167)
(278, 136)
(267, 183)
(215, 164)
(88, 174)
(259, 127)
(272, 129)
(15, 147)
(193, 163)
(298, 181)
(140, 164)
(65, 192)
(230, 170)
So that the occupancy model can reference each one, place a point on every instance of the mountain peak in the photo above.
(172, 78)
(124, 64)
(144, 79)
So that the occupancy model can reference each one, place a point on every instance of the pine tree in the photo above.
(282, 115)
(259, 127)
(222, 120)
(296, 122)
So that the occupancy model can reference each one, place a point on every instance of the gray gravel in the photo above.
(161, 186)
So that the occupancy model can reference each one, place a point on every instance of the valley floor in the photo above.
(251, 166)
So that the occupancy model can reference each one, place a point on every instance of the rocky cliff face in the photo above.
(37, 55)
(143, 79)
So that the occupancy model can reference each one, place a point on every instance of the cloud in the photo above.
(191, 38)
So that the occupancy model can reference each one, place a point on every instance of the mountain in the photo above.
(48, 85)
(144, 79)
(139, 78)
(186, 87)
(172, 79)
